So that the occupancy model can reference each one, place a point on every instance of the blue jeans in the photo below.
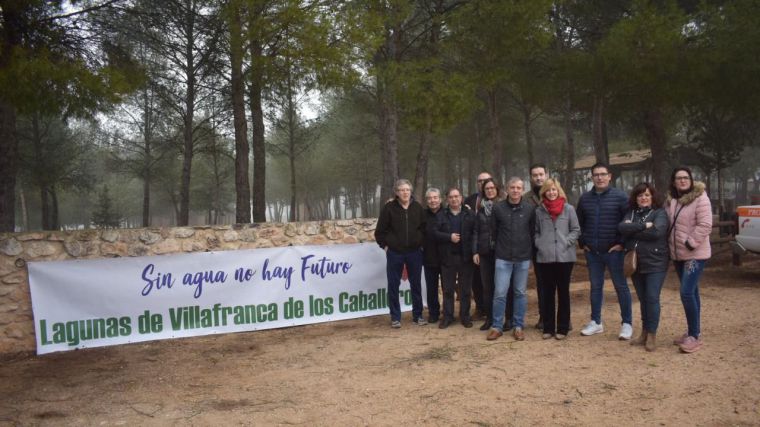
(432, 276)
(504, 272)
(689, 273)
(648, 287)
(393, 268)
(613, 261)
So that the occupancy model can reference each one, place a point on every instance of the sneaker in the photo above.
(626, 331)
(560, 337)
(680, 340)
(546, 336)
(592, 328)
(420, 321)
(395, 324)
(690, 345)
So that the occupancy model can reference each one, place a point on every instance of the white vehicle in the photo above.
(748, 230)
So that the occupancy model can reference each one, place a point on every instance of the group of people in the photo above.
(484, 245)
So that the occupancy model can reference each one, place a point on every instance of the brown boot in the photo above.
(651, 344)
(642, 339)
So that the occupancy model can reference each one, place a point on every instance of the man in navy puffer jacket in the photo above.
(599, 211)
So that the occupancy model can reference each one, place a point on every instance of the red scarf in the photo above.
(554, 207)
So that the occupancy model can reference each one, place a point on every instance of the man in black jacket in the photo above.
(454, 233)
(400, 231)
(431, 264)
(514, 221)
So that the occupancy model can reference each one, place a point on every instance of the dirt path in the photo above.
(360, 372)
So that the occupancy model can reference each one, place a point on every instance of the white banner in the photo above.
(93, 303)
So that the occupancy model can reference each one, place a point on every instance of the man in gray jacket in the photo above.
(514, 223)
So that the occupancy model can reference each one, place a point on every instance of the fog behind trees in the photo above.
(134, 113)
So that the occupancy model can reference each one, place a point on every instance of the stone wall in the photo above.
(16, 320)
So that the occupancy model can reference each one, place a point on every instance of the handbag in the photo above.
(629, 262)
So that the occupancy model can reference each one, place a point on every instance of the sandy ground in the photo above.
(361, 372)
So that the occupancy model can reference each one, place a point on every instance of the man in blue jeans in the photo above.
(400, 231)
(600, 210)
(514, 220)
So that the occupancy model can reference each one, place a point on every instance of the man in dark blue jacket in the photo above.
(431, 264)
(600, 210)
(454, 233)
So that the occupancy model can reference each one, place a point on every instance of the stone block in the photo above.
(268, 233)
(85, 235)
(280, 241)
(149, 237)
(247, 235)
(183, 233)
(350, 239)
(109, 236)
(117, 249)
(334, 234)
(166, 247)
(193, 246)
(212, 242)
(137, 250)
(73, 248)
(15, 278)
(37, 249)
(291, 230)
(31, 236)
(317, 240)
(10, 247)
(344, 223)
(352, 230)
(311, 229)
(230, 236)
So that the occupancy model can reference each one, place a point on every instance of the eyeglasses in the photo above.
(600, 175)
(682, 178)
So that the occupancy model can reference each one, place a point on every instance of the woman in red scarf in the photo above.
(557, 232)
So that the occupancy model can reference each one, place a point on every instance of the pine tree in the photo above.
(105, 216)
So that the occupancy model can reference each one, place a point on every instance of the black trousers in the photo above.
(457, 271)
(432, 275)
(556, 281)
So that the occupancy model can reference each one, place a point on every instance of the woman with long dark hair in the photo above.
(690, 214)
(483, 245)
(645, 230)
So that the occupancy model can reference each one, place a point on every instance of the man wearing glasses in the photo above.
(600, 210)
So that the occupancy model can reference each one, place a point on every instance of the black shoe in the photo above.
(444, 324)
(433, 319)
(467, 323)
(486, 326)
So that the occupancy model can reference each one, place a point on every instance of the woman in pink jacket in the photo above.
(690, 217)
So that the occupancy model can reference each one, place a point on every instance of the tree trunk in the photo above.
(388, 115)
(188, 121)
(496, 142)
(423, 159)
(24, 210)
(54, 221)
(601, 152)
(568, 149)
(240, 124)
(258, 142)
(526, 111)
(655, 131)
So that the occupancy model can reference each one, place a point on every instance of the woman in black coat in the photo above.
(483, 243)
(645, 229)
